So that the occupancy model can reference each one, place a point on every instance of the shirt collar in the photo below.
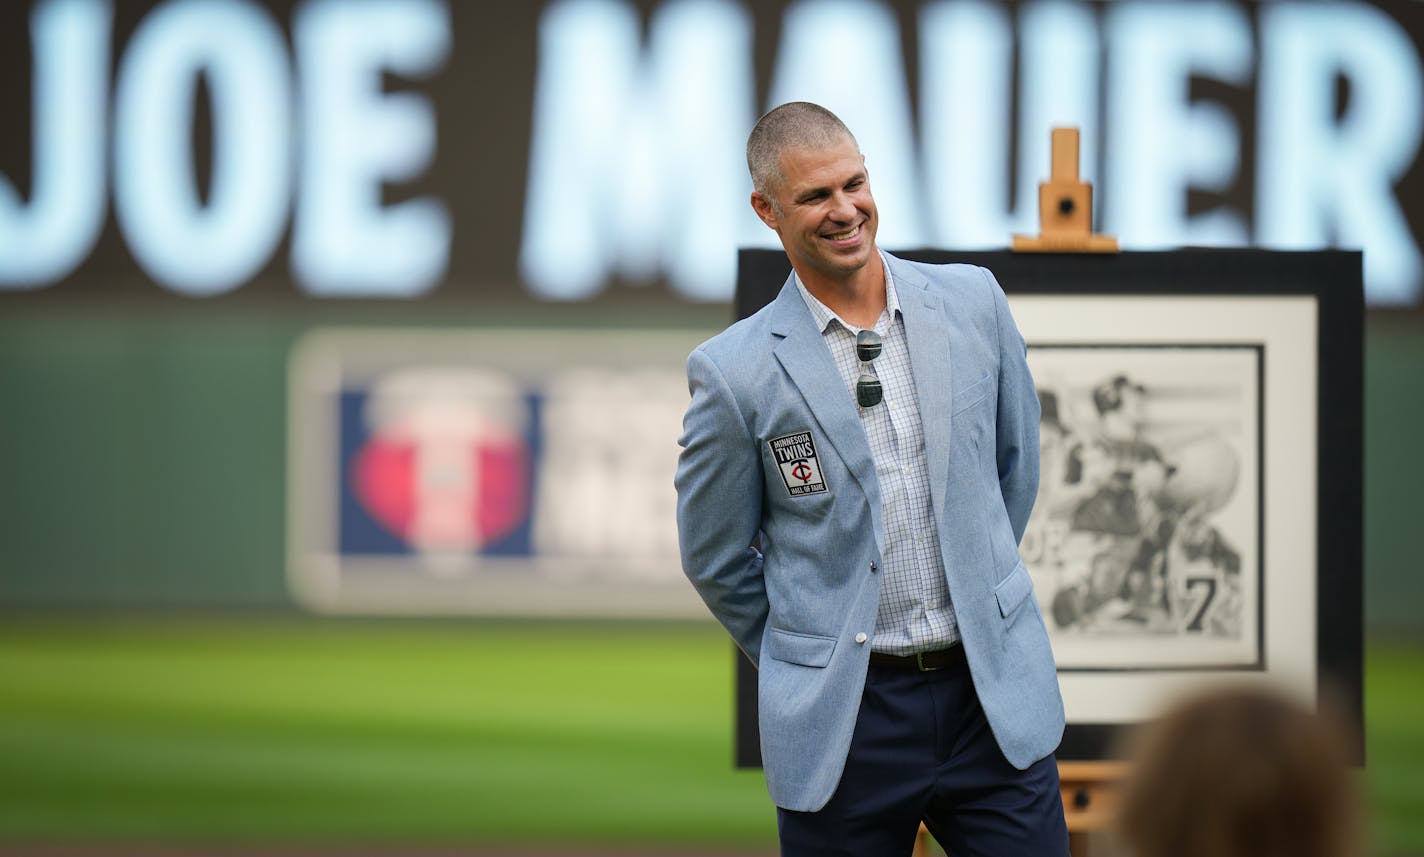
(824, 315)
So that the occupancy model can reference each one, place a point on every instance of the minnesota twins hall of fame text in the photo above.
(795, 456)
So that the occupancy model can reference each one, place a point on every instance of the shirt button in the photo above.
(861, 638)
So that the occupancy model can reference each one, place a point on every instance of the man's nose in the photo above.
(842, 208)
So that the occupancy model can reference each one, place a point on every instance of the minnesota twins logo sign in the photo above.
(795, 456)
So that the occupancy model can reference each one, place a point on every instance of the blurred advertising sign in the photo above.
(517, 472)
(566, 149)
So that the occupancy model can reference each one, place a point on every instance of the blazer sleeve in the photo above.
(719, 495)
(1018, 418)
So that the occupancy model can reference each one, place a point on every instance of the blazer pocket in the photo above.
(971, 395)
(808, 650)
(1013, 589)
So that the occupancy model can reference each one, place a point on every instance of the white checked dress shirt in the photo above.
(915, 612)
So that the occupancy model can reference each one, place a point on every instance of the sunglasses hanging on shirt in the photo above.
(867, 387)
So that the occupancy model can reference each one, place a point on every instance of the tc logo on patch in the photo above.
(796, 456)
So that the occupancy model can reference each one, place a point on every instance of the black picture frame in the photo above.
(1333, 280)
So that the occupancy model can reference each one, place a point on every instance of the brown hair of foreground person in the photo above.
(1240, 773)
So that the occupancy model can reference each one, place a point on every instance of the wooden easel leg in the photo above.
(922, 843)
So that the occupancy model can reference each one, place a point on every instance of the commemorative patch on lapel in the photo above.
(795, 456)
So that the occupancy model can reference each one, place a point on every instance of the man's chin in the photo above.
(836, 265)
(851, 261)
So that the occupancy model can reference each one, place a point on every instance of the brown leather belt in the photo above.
(921, 661)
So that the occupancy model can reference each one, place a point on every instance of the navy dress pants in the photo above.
(922, 751)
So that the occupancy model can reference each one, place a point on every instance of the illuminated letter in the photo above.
(1161, 144)
(966, 51)
(845, 55)
(636, 166)
(965, 72)
(966, 67)
(1325, 180)
(1058, 86)
(355, 138)
(189, 246)
(47, 239)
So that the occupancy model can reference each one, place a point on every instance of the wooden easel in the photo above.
(1065, 206)
(1065, 213)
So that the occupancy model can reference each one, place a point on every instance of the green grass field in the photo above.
(292, 731)
(369, 731)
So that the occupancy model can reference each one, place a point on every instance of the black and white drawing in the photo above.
(1145, 539)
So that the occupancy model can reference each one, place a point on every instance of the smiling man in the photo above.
(859, 462)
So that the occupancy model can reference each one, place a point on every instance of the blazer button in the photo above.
(861, 638)
(873, 567)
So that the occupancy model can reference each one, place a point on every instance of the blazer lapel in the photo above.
(805, 357)
(927, 331)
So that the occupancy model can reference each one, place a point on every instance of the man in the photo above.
(875, 428)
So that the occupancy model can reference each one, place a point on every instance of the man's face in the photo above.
(823, 209)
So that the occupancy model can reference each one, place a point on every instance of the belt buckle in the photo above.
(920, 663)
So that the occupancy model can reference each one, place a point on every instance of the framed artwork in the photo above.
(1145, 542)
(1199, 517)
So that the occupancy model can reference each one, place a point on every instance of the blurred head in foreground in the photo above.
(1239, 773)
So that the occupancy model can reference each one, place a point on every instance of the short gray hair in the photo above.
(796, 124)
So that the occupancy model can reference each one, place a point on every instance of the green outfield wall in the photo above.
(144, 453)
(144, 461)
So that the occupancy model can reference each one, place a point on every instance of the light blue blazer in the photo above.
(803, 606)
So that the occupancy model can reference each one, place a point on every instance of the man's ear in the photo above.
(764, 209)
